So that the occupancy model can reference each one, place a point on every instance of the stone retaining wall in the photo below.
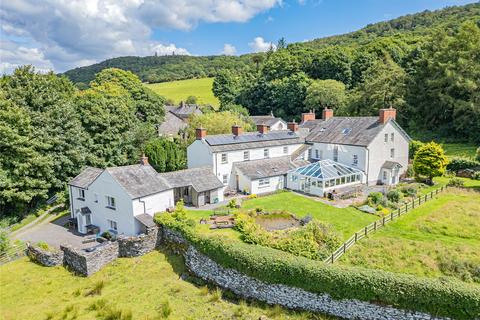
(87, 263)
(290, 297)
(43, 257)
(138, 245)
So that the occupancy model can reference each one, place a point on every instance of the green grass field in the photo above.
(440, 238)
(148, 287)
(460, 149)
(182, 89)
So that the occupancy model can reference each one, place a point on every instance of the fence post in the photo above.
(406, 207)
(399, 212)
(344, 247)
(375, 225)
(391, 216)
(366, 232)
(383, 220)
(426, 198)
(332, 258)
(356, 236)
(413, 203)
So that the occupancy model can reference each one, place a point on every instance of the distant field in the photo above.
(182, 89)
(460, 149)
(440, 238)
(149, 287)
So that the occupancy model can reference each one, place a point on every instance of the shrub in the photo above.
(379, 207)
(216, 295)
(456, 182)
(107, 235)
(165, 309)
(430, 161)
(409, 190)
(375, 197)
(4, 240)
(462, 163)
(394, 196)
(410, 172)
(413, 147)
(448, 298)
(97, 289)
(476, 175)
(477, 156)
(232, 204)
(252, 196)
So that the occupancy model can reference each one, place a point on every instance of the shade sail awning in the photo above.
(327, 169)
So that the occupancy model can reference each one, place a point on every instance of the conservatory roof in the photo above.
(327, 169)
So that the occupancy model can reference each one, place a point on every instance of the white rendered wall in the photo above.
(345, 154)
(199, 155)
(150, 205)
(279, 125)
(276, 183)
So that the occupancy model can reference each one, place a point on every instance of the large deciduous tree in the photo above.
(226, 87)
(325, 93)
(166, 155)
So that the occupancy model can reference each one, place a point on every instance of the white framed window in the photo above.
(335, 153)
(111, 203)
(263, 182)
(293, 178)
(384, 175)
(285, 150)
(386, 137)
(81, 194)
(112, 225)
(224, 158)
(392, 136)
(317, 154)
(355, 160)
(246, 155)
(266, 153)
(225, 178)
(392, 153)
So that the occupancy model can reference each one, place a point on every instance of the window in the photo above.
(224, 158)
(384, 175)
(309, 153)
(225, 178)
(294, 178)
(337, 181)
(265, 153)
(317, 154)
(263, 183)
(314, 183)
(332, 183)
(348, 179)
(392, 153)
(96, 197)
(392, 136)
(335, 153)
(113, 225)
(386, 137)
(355, 160)
(321, 155)
(81, 194)
(88, 219)
(246, 155)
(285, 150)
(110, 202)
(346, 131)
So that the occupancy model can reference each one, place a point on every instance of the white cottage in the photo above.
(273, 123)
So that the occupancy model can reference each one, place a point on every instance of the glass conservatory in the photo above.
(325, 175)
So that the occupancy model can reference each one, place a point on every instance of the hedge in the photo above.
(459, 163)
(439, 297)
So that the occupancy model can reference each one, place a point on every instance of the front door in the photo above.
(88, 220)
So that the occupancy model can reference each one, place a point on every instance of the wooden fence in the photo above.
(14, 252)
(374, 226)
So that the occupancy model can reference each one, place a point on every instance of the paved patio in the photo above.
(54, 233)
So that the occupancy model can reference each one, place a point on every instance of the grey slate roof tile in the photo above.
(86, 177)
(264, 168)
(146, 220)
(252, 140)
(201, 179)
(268, 120)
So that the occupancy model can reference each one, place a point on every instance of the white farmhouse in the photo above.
(123, 200)
(270, 121)
(224, 154)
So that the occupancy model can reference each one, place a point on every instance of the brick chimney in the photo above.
(143, 160)
(292, 126)
(200, 133)
(308, 116)
(387, 114)
(262, 128)
(237, 130)
(327, 113)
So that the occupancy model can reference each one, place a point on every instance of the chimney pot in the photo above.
(237, 130)
(200, 133)
(327, 113)
(308, 116)
(292, 126)
(262, 128)
(386, 114)
(143, 160)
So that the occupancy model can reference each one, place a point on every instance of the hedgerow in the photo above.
(439, 297)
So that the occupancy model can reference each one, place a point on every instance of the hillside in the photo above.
(182, 89)
(170, 68)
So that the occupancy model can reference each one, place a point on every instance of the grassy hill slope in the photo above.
(181, 89)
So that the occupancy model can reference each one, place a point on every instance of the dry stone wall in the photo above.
(44, 257)
(138, 245)
(87, 263)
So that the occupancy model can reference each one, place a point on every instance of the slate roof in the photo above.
(252, 140)
(346, 130)
(139, 180)
(268, 120)
(184, 110)
(201, 179)
(171, 125)
(391, 165)
(86, 177)
(264, 168)
(146, 220)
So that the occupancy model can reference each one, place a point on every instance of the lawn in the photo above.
(460, 149)
(182, 89)
(441, 237)
(145, 287)
(346, 221)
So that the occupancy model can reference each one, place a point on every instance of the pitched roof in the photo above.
(346, 130)
(86, 177)
(139, 180)
(172, 124)
(327, 169)
(145, 219)
(268, 120)
(184, 110)
(264, 168)
(391, 165)
(252, 140)
(201, 179)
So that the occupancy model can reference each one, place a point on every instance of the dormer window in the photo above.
(81, 194)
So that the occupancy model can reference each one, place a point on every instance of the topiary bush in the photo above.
(462, 163)
(456, 182)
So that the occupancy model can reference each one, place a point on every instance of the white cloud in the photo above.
(13, 55)
(71, 33)
(260, 45)
(229, 50)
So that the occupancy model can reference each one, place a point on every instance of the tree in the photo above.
(413, 148)
(478, 154)
(226, 87)
(430, 161)
(282, 43)
(191, 100)
(280, 64)
(325, 93)
(166, 155)
(332, 63)
(288, 95)
(257, 59)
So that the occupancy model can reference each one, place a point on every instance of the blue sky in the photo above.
(60, 35)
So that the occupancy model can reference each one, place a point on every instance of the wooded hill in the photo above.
(405, 30)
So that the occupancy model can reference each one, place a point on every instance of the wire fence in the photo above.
(374, 226)
(13, 252)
